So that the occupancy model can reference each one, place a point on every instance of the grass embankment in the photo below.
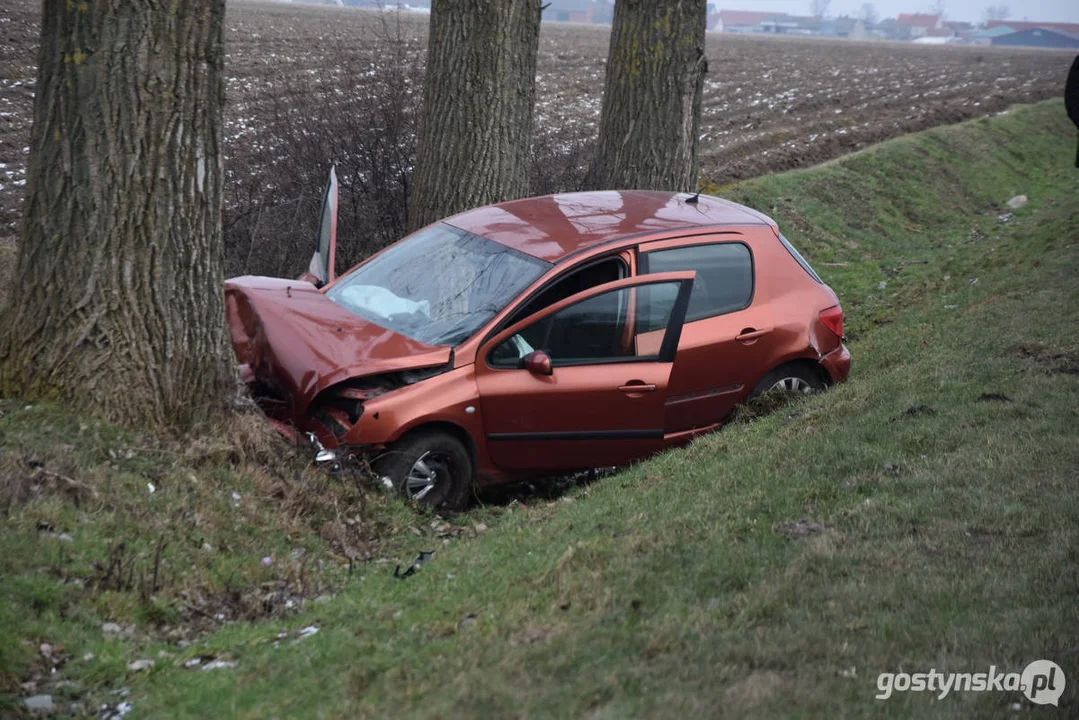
(923, 515)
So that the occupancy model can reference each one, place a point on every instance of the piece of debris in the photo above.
(994, 397)
(140, 665)
(951, 307)
(121, 710)
(193, 663)
(423, 557)
(267, 561)
(151, 487)
(224, 663)
(1017, 202)
(881, 285)
(1005, 217)
(40, 704)
(308, 632)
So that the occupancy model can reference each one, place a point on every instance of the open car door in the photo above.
(583, 382)
(321, 270)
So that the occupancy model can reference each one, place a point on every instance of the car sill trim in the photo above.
(580, 435)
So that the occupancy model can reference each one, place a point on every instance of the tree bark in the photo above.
(117, 301)
(479, 94)
(649, 124)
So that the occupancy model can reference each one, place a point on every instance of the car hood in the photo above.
(292, 336)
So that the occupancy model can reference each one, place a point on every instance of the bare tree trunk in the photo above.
(648, 130)
(117, 302)
(477, 106)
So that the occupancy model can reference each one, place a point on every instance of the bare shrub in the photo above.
(288, 127)
(359, 115)
(561, 158)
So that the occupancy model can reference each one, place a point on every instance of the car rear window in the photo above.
(724, 280)
(798, 256)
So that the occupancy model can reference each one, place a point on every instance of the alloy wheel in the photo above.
(793, 384)
(425, 475)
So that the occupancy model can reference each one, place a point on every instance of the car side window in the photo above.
(724, 281)
(599, 329)
(592, 275)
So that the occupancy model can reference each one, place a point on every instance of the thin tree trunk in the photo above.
(117, 300)
(648, 132)
(477, 106)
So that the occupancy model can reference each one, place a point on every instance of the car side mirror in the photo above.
(537, 362)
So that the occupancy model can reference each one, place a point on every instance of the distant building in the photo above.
(910, 26)
(779, 23)
(579, 11)
(985, 36)
(741, 20)
(851, 28)
(784, 24)
(1041, 37)
(1017, 25)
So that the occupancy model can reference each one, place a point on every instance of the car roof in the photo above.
(552, 227)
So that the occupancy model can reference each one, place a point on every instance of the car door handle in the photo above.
(636, 386)
(750, 334)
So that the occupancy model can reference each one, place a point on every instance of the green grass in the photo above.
(897, 523)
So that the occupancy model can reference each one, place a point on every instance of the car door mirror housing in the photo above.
(537, 363)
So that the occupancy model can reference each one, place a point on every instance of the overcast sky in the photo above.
(973, 10)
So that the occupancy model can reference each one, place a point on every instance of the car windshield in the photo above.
(439, 286)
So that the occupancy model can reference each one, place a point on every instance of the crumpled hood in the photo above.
(289, 332)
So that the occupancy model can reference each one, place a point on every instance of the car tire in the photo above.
(430, 467)
(793, 377)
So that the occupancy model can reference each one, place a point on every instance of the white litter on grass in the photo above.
(122, 709)
(151, 488)
(219, 664)
(308, 632)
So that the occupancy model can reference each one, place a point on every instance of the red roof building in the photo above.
(910, 26)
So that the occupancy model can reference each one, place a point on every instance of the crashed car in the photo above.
(536, 337)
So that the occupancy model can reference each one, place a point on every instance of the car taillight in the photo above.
(833, 320)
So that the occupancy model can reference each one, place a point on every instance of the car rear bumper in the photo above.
(837, 363)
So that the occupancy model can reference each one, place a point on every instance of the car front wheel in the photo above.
(430, 467)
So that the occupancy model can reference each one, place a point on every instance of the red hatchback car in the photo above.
(537, 336)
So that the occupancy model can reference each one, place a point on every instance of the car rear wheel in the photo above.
(430, 467)
(792, 378)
